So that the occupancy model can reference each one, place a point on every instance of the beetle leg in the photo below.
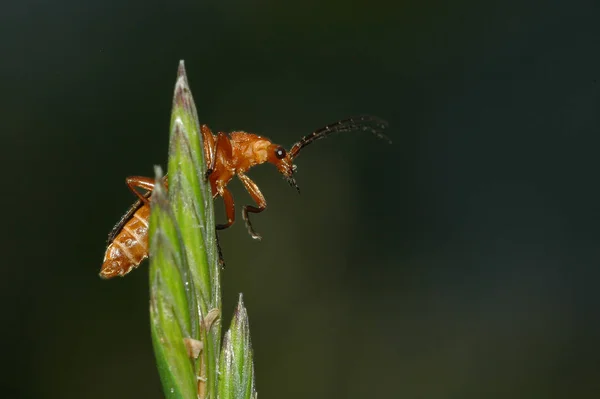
(257, 196)
(145, 183)
(222, 147)
(209, 149)
(229, 208)
(220, 252)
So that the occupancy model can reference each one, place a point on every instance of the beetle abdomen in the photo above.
(129, 247)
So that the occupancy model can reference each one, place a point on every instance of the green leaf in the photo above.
(184, 268)
(236, 365)
(191, 196)
(169, 304)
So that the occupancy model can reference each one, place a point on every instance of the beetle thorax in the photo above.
(249, 150)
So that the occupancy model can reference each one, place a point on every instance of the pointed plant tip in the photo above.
(181, 69)
(159, 194)
(236, 378)
(240, 309)
(158, 177)
(183, 96)
(158, 172)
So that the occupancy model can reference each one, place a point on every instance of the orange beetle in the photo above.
(226, 156)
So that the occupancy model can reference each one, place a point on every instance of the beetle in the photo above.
(226, 156)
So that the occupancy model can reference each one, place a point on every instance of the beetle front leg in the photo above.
(209, 149)
(229, 208)
(257, 196)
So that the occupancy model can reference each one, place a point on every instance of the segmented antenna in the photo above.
(365, 123)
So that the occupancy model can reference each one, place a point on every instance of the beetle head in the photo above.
(278, 156)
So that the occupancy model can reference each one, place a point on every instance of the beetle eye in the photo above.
(280, 153)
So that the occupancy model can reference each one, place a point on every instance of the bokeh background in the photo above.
(459, 262)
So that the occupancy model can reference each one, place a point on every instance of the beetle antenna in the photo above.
(363, 122)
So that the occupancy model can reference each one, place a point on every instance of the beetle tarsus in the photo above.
(220, 252)
(245, 210)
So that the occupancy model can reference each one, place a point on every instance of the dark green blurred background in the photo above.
(460, 262)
